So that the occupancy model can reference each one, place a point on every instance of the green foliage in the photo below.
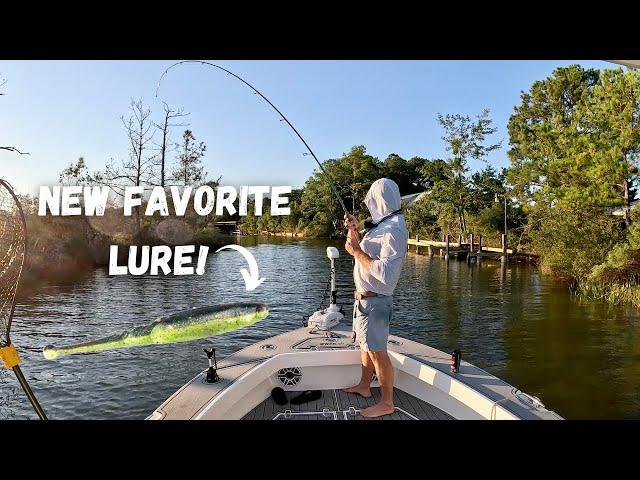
(486, 188)
(453, 196)
(542, 130)
(421, 219)
(575, 146)
(572, 239)
(465, 139)
(622, 263)
(490, 220)
(610, 137)
(353, 174)
(265, 223)
(210, 236)
(406, 173)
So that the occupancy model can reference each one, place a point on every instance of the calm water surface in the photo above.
(581, 358)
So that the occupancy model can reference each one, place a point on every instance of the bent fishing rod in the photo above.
(282, 116)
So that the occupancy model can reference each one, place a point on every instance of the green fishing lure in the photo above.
(184, 326)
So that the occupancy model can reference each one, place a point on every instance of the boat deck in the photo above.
(339, 405)
(190, 400)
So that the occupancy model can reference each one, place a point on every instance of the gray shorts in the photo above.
(371, 318)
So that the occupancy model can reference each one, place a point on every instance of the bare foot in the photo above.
(364, 391)
(378, 410)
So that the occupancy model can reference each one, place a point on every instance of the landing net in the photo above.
(12, 255)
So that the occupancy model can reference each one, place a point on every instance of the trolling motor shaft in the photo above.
(329, 317)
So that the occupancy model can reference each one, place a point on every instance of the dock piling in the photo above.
(505, 256)
(446, 255)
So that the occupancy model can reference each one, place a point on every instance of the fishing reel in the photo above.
(329, 317)
(339, 227)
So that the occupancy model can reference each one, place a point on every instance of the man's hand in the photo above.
(352, 245)
(350, 222)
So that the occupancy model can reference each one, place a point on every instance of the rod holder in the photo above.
(212, 371)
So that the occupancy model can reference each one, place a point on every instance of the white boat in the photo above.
(323, 357)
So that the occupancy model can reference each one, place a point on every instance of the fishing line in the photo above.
(282, 117)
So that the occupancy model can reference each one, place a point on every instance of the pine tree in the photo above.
(189, 170)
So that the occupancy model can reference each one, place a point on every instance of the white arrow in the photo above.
(251, 280)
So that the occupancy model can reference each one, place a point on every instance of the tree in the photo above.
(353, 174)
(485, 187)
(291, 222)
(189, 170)
(357, 171)
(164, 128)
(465, 139)
(75, 174)
(421, 218)
(432, 172)
(542, 135)
(406, 173)
(138, 169)
(575, 146)
(609, 121)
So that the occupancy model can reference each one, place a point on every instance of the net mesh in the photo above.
(12, 254)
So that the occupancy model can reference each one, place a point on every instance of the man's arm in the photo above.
(353, 247)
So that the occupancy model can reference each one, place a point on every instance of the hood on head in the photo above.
(382, 198)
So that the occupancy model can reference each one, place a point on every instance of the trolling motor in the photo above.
(330, 316)
(212, 371)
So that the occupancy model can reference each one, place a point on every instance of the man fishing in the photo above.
(378, 252)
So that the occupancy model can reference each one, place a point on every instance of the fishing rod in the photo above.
(283, 118)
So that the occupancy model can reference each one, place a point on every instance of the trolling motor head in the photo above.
(329, 317)
(332, 253)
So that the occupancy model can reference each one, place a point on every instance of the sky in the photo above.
(59, 111)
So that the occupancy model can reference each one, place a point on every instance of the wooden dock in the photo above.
(469, 250)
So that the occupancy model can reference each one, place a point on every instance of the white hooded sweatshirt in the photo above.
(386, 243)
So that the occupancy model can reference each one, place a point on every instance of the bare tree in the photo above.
(164, 128)
(3, 82)
(14, 149)
(138, 169)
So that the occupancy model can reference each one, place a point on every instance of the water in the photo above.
(581, 358)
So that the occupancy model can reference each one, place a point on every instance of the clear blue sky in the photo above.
(59, 111)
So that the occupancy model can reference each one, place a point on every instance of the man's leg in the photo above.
(364, 387)
(384, 370)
